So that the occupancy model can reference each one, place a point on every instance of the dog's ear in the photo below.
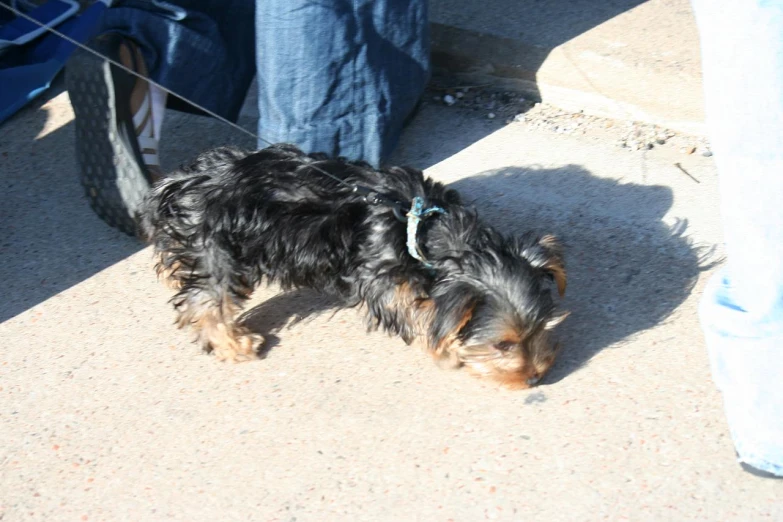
(555, 320)
(554, 264)
(453, 305)
(546, 254)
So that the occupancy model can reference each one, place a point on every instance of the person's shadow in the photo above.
(627, 270)
(50, 240)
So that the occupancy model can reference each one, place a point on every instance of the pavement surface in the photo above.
(627, 59)
(107, 412)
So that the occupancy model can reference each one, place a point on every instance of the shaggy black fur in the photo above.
(232, 218)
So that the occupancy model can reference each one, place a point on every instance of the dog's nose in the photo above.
(533, 381)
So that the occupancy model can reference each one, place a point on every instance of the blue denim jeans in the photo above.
(742, 309)
(340, 76)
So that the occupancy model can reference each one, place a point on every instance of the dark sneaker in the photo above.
(111, 162)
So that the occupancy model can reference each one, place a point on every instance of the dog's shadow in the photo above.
(284, 311)
(627, 269)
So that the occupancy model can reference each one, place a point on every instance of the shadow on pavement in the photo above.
(50, 240)
(283, 311)
(511, 39)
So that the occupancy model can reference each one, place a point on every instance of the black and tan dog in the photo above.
(232, 219)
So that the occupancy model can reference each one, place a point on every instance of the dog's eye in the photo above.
(504, 346)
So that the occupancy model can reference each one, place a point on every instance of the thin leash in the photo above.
(413, 216)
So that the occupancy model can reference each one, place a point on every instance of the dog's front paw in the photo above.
(242, 346)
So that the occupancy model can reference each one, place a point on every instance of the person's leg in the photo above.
(340, 77)
(200, 49)
(742, 309)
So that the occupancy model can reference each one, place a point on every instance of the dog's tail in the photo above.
(173, 205)
(167, 209)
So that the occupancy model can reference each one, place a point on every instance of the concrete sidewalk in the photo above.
(626, 59)
(109, 413)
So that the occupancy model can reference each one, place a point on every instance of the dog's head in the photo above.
(492, 309)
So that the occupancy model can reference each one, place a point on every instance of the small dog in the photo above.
(233, 218)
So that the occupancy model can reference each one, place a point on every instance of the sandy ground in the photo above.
(109, 413)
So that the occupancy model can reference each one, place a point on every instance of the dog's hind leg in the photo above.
(211, 308)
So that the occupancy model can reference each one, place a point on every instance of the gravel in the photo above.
(512, 108)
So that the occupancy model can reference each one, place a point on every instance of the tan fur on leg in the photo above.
(170, 276)
(218, 332)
